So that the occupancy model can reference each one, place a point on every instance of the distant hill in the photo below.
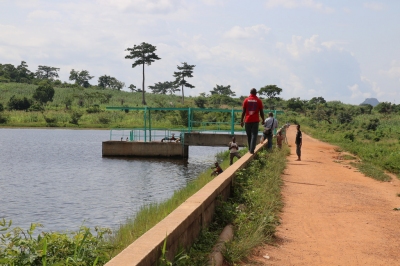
(372, 101)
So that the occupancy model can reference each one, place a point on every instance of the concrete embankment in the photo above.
(181, 227)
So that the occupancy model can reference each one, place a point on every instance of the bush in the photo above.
(20, 247)
(349, 136)
(44, 93)
(75, 117)
(93, 109)
(373, 124)
(1, 107)
(16, 103)
(3, 119)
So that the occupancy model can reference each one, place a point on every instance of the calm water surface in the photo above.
(59, 178)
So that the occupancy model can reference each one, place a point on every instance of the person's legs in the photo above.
(298, 152)
(254, 134)
(270, 142)
(247, 127)
(231, 155)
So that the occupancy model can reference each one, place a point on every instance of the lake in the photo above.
(57, 177)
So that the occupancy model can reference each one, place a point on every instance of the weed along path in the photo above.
(333, 214)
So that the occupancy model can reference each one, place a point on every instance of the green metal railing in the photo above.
(147, 132)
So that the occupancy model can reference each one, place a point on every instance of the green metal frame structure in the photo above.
(147, 115)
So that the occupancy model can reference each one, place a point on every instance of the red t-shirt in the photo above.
(253, 106)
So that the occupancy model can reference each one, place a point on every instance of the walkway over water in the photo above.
(147, 133)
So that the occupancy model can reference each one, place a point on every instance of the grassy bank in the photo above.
(253, 209)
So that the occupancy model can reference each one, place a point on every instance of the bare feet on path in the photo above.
(333, 214)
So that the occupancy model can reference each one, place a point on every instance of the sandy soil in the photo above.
(333, 214)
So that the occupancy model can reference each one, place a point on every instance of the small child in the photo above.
(279, 139)
(217, 169)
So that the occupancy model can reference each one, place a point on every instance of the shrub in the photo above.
(20, 247)
(75, 117)
(16, 103)
(93, 109)
(349, 136)
(3, 119)
(1, 107)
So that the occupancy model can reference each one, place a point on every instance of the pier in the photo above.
(174, 143)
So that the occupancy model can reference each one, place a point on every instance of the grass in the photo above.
(372, 171)
(253, 209)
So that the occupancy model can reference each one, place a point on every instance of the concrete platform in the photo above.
(144, 149)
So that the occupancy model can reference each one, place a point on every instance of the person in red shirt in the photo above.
(252, 109)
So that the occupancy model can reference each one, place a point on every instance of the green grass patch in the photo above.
(253, 209)
(348, 157)
(372, 171)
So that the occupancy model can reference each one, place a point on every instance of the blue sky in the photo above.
(340, 50)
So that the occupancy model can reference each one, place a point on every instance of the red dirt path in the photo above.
(333, 214)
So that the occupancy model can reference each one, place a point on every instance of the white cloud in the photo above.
(393, 72)
(374, 85)
(374, 6)
(356, 93)
(301, 46)
(299, 3)
(43, 14)
(238, 32)
(145, 6)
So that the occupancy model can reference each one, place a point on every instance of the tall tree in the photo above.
(47, 72)
(25, 75)
(223, 90)
(271, 91)
(143, 53)
(81, 78)
(185, 71)
(164, 87)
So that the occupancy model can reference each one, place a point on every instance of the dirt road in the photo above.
(333, 214)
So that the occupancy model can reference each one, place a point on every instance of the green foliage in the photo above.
(93, 109)
(253, 209)
(295, 104)
(47, 72)
(164, 87)
(349, 136)
(1, 107)
(108, 82)
(44, 93)
(184, 71)
(22, 247)
(19, 103)
(383, 108)
(75, 117)
(143, 53)
(344, 117)
(3, 119)
(373, 124)
(81, 78)
(372, 171)
(200, 101)
(271, 91)
(223, 90)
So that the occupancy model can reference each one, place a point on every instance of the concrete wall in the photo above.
(144, 149)
(222, 140)
(183, 225)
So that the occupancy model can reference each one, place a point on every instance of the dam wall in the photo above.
(182, 226)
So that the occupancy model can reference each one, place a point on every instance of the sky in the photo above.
(340, 50)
